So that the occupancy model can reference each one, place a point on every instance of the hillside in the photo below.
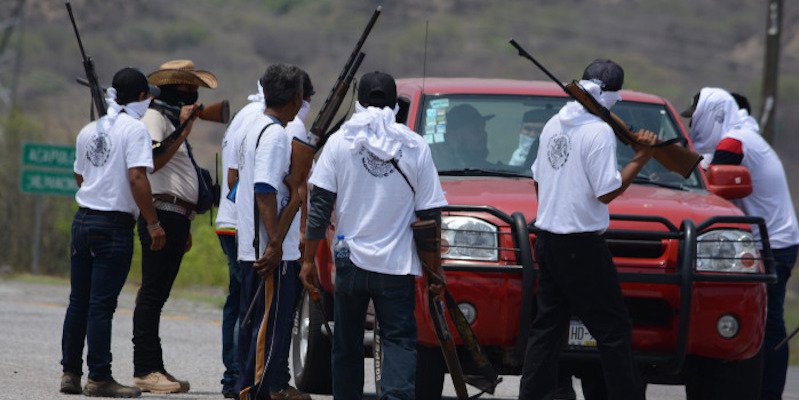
(669, 48)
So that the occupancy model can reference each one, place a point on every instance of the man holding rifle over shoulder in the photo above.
(175, 188)
(264, 161)
(576, 177)
(113, 156)
(380, 176)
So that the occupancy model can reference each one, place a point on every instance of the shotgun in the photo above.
(427, 237)
(671, 153)
(91, 73)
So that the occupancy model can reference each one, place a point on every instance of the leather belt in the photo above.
(171, 199)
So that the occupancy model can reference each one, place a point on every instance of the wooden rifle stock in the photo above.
(671, 154)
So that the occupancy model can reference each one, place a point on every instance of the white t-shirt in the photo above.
(268, 164)
(178, 177)
(103, 160)
(226, 214)
(374, 205)
(770, 196)
(576, 164)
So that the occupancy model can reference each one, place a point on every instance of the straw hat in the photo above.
(182, 72)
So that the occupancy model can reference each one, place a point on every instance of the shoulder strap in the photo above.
(395, 163)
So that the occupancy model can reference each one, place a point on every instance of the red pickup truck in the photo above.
(692, 275)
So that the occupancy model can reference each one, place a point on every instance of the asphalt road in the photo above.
(31, 317)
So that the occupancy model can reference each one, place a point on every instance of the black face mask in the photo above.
(173, 97)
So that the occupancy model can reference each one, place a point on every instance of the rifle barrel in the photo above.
(525, 54)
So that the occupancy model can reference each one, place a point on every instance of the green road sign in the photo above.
(48, 182)
(47, 155)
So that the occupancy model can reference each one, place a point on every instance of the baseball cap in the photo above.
(377, 89)
(465, 115)
(610, 74)
(689, 112)
(129, 82)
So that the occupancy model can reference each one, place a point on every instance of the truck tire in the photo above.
(722, 379)
(310, 350)
(430, 370)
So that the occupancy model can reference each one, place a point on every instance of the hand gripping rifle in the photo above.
(91, 74)
(427, 236)
(302, 153)
(672, 154)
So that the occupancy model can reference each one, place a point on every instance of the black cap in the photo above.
(610, 74)
(465, 115)
(129, 82)
(377, 89)
(689, 112)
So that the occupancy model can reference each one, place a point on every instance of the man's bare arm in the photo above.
(140, 186)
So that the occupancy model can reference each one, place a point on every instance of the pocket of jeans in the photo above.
(106, 244)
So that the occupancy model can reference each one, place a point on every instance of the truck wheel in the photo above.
(310, 350)
(430, 370)
(721, 379)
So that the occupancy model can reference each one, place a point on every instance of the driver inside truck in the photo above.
(466, 140)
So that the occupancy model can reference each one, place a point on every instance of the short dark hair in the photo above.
(307, 86)
(610, 74)
(282, 83)
(377, 89)
(743, 102)
(129, 83)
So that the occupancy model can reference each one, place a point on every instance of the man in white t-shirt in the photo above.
(175, 187)
(226, 221)
(264, 161)
(112, 158)
(719, 126)
(576, 177)
(380, 176)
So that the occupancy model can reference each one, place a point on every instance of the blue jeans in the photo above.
(775, 363)
(394, 299)
(230, 314)
(101, 251)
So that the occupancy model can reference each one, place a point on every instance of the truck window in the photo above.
(498, 134)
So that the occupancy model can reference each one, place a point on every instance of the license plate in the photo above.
(579, 335)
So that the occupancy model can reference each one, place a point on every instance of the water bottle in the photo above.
(340, 248)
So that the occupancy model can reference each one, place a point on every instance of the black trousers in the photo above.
(158, 272)
(577, 275)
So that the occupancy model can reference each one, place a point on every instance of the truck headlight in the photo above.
(468, 238)
(726, 250)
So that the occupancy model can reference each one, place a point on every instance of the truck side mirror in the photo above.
(729, 181)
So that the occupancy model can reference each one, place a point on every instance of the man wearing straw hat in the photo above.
(175, 189)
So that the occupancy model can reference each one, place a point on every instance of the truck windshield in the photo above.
(498, 134)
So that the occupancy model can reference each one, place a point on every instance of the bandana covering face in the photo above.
(304, 110)
(135, 109)
(377, 130)
(577, 114)
(716, 114)
(747, 122)
(258, 97)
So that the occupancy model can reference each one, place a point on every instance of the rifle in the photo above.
(672, 153)
(302, 153)
(427, 236)
(217, 112)
(91, 73)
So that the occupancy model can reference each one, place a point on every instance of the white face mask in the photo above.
(136, 109)
(305, 108)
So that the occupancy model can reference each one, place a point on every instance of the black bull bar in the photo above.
(684, 275)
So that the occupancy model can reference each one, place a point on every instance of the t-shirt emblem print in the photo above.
(98, 149)
(558, 151)
(374, 165)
